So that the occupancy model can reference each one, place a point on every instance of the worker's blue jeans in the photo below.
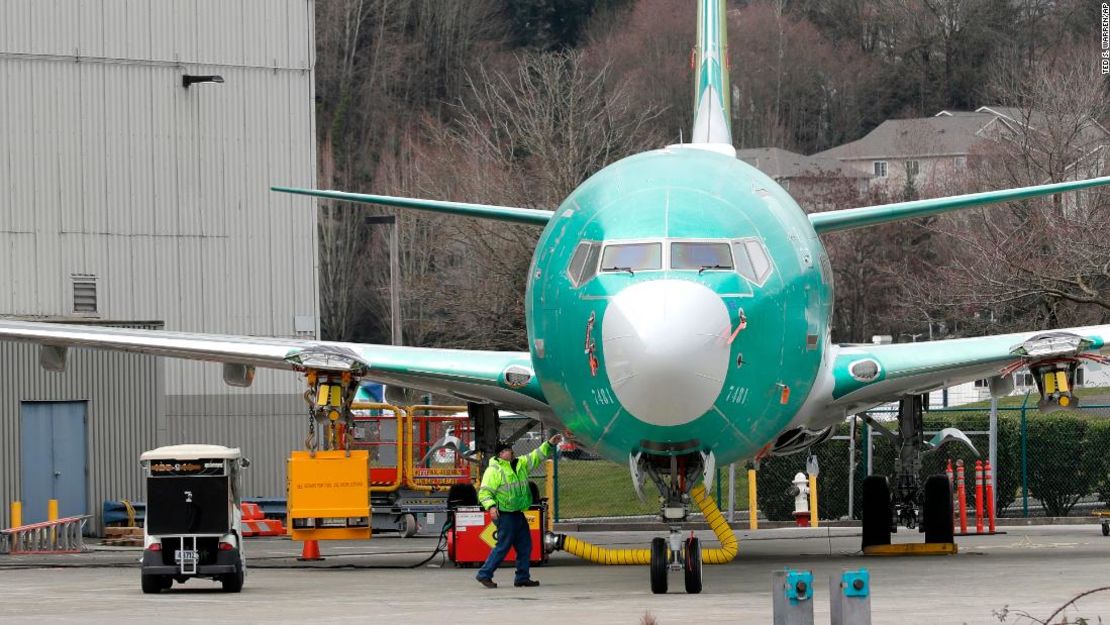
(512, 532)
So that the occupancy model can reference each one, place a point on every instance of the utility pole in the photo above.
(394, 274)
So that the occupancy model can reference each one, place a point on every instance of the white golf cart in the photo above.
(193, 521)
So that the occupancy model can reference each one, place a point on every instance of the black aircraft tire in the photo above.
(936, 513)
(875, 495)
(691, 565)
(659, 566)
(152, 584)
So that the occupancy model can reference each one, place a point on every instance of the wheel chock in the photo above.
(912, 549)
(792, 597)
(850, 598)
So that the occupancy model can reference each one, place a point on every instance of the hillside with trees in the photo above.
(516, 102)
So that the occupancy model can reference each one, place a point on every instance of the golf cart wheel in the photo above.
(936, 513)
(1106, 529)
(691, 566)
(233, 582)
(659, 566)
(876, 511)
(153, 584)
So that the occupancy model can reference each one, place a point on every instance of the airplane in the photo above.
(678, 314)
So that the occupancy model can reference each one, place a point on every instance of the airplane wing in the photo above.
(534, 216)
(503, 378)
(863, 376)
(849, 218)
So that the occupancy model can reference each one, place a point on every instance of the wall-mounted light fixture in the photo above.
(189, 79)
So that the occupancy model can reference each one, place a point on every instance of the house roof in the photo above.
(783, 164)
(949, 133)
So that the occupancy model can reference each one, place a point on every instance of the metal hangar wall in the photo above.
(130, 197)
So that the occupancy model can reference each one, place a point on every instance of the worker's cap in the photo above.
(502, 446)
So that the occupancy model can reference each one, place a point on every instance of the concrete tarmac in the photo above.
(1029, 570)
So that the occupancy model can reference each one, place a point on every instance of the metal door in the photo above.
(53, 458)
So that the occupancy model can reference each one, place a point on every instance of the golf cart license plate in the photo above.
(182, 556)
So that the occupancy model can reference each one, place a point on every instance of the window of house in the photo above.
(912, 168)
(701, 256)
(632, 257)
(880, 168)
(982, 383)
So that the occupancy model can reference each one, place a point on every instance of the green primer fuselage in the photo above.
(682, 193)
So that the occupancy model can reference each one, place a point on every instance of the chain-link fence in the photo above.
(1047, 465)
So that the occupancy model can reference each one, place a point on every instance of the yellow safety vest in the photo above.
(506, 487)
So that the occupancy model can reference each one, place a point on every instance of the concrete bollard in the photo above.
(792, 597)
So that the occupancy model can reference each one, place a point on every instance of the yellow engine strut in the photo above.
(606, 555)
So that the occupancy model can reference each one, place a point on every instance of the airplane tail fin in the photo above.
(711, 90)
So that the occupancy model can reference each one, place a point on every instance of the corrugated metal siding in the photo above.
(108, 166)
(123, 395)
(266, 429)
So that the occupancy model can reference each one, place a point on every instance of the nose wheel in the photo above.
(659, 565)
(684, 556)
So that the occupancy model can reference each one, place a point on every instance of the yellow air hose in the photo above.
(605, 555)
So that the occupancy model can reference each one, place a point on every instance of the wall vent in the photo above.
(84, 294)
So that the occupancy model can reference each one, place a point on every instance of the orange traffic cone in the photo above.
(311, 551)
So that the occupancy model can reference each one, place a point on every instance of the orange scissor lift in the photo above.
(417, 453)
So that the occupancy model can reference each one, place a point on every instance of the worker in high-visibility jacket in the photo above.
(506, 494)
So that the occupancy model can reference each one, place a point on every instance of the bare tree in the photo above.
(530, 135)
(1039, 262)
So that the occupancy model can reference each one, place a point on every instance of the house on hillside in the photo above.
(934, 150)
(816, 183)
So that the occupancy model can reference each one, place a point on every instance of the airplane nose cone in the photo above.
(666, 349)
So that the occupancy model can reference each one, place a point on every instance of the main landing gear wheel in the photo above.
(876, 511)
(936, 513)
(659, 566)
(691, 565)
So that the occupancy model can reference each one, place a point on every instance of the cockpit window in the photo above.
(632, 257)
(752, 261)
(583, 264)
(701, 256)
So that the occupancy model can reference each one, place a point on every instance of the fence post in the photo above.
(1024, 459)
(992, 457)
(852, 468)
(556, 480)
(717, 471)
(732, 492)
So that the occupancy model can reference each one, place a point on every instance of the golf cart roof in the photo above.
(191, 452)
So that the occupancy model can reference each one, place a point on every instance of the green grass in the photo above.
(597, 488)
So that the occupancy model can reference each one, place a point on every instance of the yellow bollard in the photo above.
(549, 488)
(813, 501)
(17, 513)
(52, 515)
(753, 513)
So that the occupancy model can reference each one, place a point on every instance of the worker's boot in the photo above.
(488, 583)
